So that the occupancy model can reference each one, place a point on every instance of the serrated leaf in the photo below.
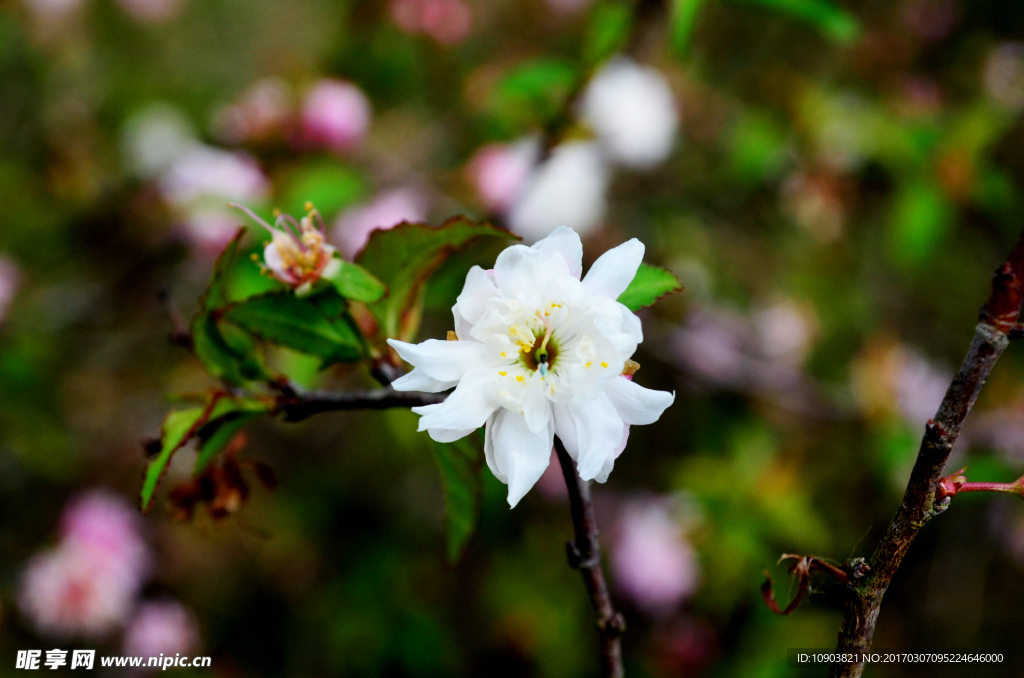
(405, 257)
(175, 431)
(181, 426)
(460, 464)
(683, 19)
(216, 292)
(356, 283)
(318, 324)
(213, 442)
(832, 20)
(650, 284)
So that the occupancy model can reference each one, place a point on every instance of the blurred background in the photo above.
(834, 184)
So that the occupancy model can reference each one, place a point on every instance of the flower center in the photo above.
(542, 355)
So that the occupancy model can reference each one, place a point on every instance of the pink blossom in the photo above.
(108, 526)
(209, 172)
(88, 583)
(151, 11)
(165, 627)
(352, 228)
(10, 280)
(654, 566)
(446, 21)
(568, 6)
(335, 114)
(499, 172)
(47, 11)
(209, 229)
(71, 591)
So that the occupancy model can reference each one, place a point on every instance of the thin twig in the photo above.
(585, 555)
(296, 406)
(923, 498)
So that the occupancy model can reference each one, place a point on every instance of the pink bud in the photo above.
(335, 114)
(165, 627)
(447, 21)
(498, 172)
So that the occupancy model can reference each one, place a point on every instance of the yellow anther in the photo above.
(604, 364)
(277, 212)
(308, 206)
(503, 373)
(589, 364)
(630, 368)
(502, 354)
(452, 336)
(254, 256)
(519, 378)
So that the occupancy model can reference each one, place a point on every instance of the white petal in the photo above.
(566, 242)
(441, 360)
(537, 408)
(636, 404)
(272, 257)
(599, 429)
(515, 269)
(615, 269)
(565, 429)
(417, 380)
(465, 410)
(490, 429)
(521, 455)
(475, 292)
(610, 463)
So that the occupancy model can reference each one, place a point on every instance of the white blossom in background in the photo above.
(151, 11)
(335, 114)
(567, 189)
(632, 110)
(499, 172)
(540, 353)
(88, 584)
(52, 11)
(352, 228)
(164, 627)
(154, 138)
(655, 566)
(209, 172)
(1004, 75)
(10, 280)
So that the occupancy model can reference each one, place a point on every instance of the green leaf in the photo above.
(405, 257)
(216, 294)
(175, 431)
(921, 219)
(215, 436)
(319, 324)
(532, 93)
(650, 284)
(356, 283)
(329, 185)
(607, 30)
(460, 464)
(682, 22)
(832, 20)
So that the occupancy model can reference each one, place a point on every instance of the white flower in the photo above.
(633, 112)
(297, 254)
(539, 353)
(568, 189)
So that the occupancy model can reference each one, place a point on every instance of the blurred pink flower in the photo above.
(654, 566)
(568, 6)
(165, 627)
(69, 591)
(264, 109)
(335, 114)
(499, 172)
(87, 585)
(931, 19)
(47, 11)
(209, 229)
(352, 228)
(209, 172)
(151, 11)
(10, 280)
(1004, 75)
(446, 21)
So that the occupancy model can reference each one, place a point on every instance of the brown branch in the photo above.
(923, 498)
(585, 555)
(298, 405)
